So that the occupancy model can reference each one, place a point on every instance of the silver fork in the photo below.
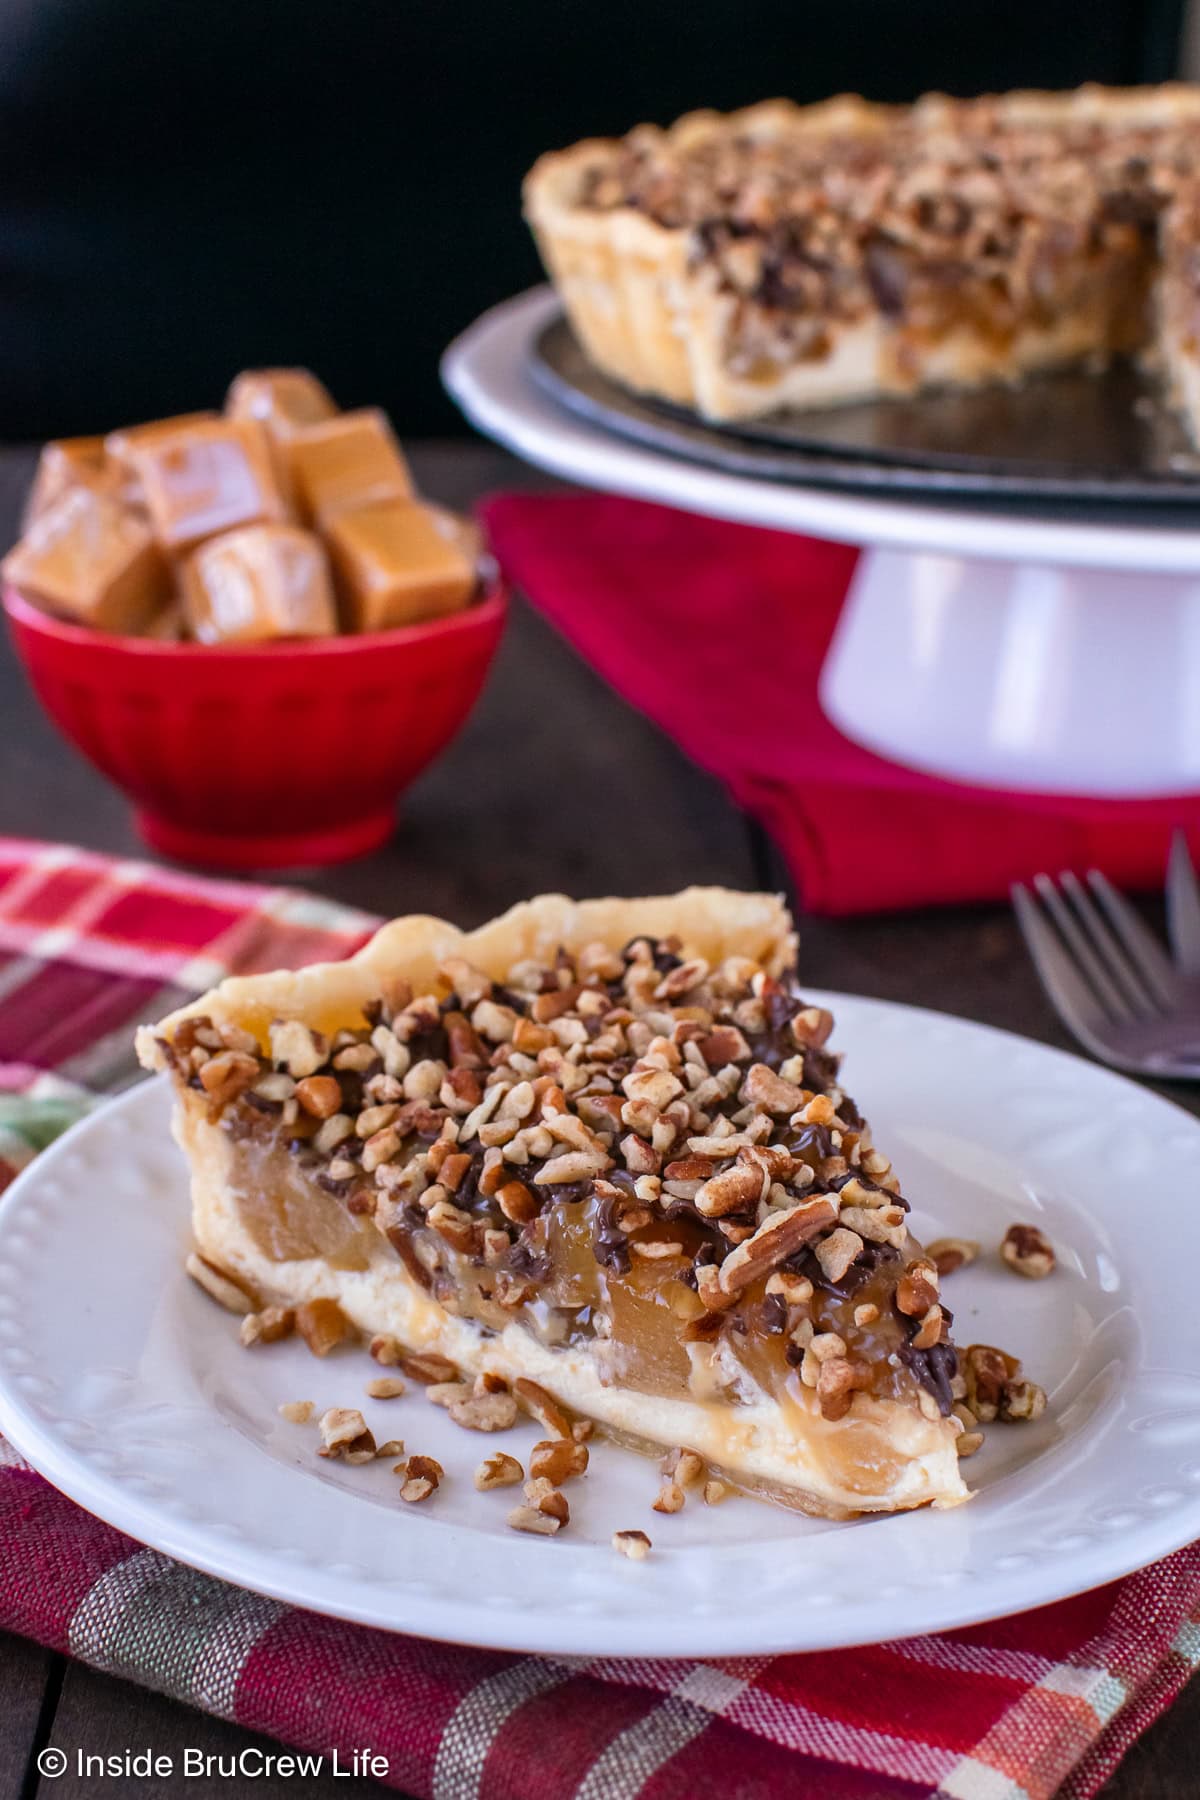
(1109, 979)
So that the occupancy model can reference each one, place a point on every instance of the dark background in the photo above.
(191, 186)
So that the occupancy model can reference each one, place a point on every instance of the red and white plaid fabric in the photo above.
(1041, 1704)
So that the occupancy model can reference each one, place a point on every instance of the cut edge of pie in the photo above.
(664, 315)
(569, 1296)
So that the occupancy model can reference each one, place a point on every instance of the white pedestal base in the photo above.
(1054, 680)
(1057, 654)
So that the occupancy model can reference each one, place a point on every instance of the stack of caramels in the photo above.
(280, 518)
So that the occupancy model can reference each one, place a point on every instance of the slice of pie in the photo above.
(600, 1147)
(805, 256)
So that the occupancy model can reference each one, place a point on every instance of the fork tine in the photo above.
(1069, 994)
(1112, 999)
(1140, 943)
(1124, 970)
(1183, 906)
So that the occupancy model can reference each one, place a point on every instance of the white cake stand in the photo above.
(993, 648)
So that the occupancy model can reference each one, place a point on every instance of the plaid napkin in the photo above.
(1043, 1703)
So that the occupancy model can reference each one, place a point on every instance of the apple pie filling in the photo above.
(628, 1149)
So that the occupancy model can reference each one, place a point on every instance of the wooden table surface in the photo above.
(555, 783)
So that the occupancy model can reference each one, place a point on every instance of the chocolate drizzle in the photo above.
(935, 1369)
(610, 1243)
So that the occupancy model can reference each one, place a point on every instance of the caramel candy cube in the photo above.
(399, 563)
(93, 561)
(208, 478)
(265, 581)
(284, 400)
(169, 626)
(68, 463)
(121, 446)
(350, 461)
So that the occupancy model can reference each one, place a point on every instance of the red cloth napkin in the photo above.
(1044, 1703)
(718, 633)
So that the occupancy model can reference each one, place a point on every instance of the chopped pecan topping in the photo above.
(296, 1048)
(557, 1460)
(484, 1412)
(344, 1434)
(683, 1466)
(779, 1236)
(723, 1045)
(1022, 1400)
(496, 1471)
(319, 1095)
(533, 1519)
(917, 1290)
(949, 1254)
(929, 1330)
(729, 1192)
(988, 1372)
(447, 1393)
(267, 1326)
(225, 1076)
(544, 1498)
(542, 1406)
(422, 1476)
(643, 1116)
(297, 1412)
(837, 1378)
(333, 1133)
(793, 1290)
(762, 1087)
(838, 1252)
(633, 1544)
(812, 1025)
(1028, 1251)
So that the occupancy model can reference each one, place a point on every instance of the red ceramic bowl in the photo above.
(268, 756)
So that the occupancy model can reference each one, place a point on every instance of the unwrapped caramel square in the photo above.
(122, 444)
(93, 561)
(264, 581)
(207, 478)
(399, 563)
(66, 463)
(347, 462)
(284, 400)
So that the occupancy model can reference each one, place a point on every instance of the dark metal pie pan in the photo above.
(1075, 437)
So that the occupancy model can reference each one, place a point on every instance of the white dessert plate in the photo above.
(129, 1390)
